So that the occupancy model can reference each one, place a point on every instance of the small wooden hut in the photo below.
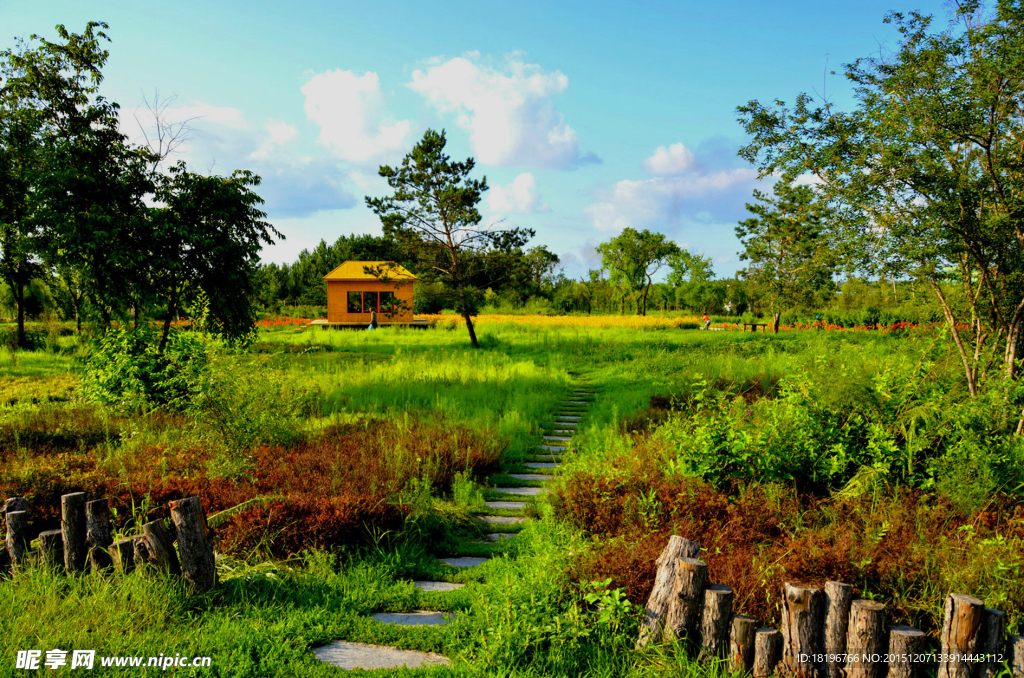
(358, 288)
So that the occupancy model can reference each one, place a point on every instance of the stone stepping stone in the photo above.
(577, 402)
(503, 520)
(565, 438)
(349, 656)
(499, 536)
(521, 491)
(567, 417)
(540, 464)
(464, 561)
(530, 476)
(553, 448)
(436, 585)
(509, 505)
(414, 618)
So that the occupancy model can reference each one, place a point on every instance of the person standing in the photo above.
(707, 321)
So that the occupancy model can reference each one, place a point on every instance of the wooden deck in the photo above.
(321, 322)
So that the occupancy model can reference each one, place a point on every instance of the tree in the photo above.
(19, 262)
(927, 171)
(633, 258)
(790, 262)
(83, 191)
(206, 236)
(691, 277)
(434, 211)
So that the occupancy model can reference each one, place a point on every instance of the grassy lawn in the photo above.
(366, 456)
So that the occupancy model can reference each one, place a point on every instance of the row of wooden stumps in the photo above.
(825, 632)
(85, 541)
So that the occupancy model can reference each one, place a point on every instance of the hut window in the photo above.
(369, 302)
(355, 302)
(387, 302)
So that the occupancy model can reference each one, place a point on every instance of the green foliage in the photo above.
(633, 257)
(127, 370)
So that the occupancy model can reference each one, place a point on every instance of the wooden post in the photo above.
(714, 622)
(683, 617)
(904, 643)
(801, 631)
(197, 561)
(664, 585)
(123, 554)
(51, 550)
(865, 639)
(72, 527)
(14, 504)
(837, 615)
(767, 644)
(97, 534)
(991, 641)
(741, 644)
(159, 552)
(961, 623)
(17, 536)
(1015, 647)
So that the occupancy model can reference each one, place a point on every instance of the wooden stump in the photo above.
(865, 640)
(51, 550)
(197, 563)
(664, 586)
(741, 644)
(1015, 648)
(714, 622)
(682, 620)
(767, 646)
(801, 631)
(159, 551)
(837, 614)
(906, 647)
(961, 623)
(73, 530)
(17, 536)
(991, 641)
(97, 535)
(123, 553)
(14, 504)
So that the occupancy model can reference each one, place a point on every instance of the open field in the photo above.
(350, 462)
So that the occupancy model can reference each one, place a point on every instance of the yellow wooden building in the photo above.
(353, 293)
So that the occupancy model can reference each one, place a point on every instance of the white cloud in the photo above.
(519, 197)
(279, 134)
(665, 201)
(509, 113)
(671, 160)
(221, 139)
(348, 109)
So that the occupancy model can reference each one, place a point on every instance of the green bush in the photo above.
(128, 371)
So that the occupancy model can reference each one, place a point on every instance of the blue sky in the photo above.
(586, 117)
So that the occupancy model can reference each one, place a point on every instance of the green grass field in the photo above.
(368, 455)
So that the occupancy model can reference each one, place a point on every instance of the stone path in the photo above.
(553, 444)
(361, 656)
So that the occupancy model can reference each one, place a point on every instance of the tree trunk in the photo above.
(664, 588)
(714, 622)
(801, 631)
(904, 643)
(766, 652)
(682, 620)
(775, 322)
(465, 314)
(960, 626)
(19, 299)
(865, 639)
(991, 642)
(837, 615)
(741, 644)
(646, 291)
(73, 530)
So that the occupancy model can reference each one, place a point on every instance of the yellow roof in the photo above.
(354, 270)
